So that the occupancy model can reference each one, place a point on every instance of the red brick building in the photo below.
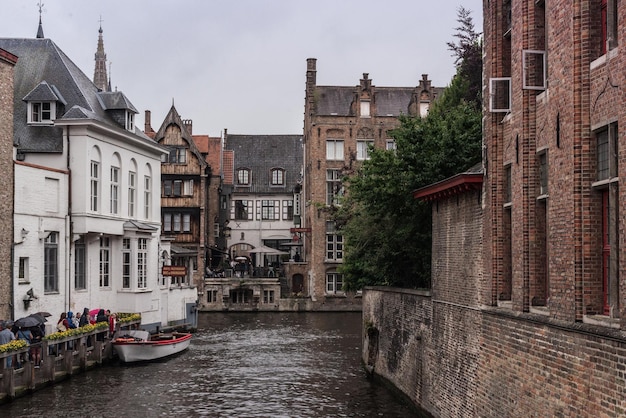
(340, 123)
(526, 315)
(553, 124)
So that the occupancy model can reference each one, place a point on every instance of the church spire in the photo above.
(40, 28)
(100, 73)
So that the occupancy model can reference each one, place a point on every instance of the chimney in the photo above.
(424, 83)
(147, 127)
(311, 81)
(188, 124)
(366, 83)
(311, 73)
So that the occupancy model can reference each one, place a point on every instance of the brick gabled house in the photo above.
(340, 123)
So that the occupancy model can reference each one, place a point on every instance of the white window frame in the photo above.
(288, 210)
(278, 177)
(498, 87)
(95, 186)
(147, 196)
(36, 116)
(531, 59)
(142, 263)
(130, 121)
(334, 243)
(132, 189)
(362, 149)
(51, 263)
(247, 204)
(269, 210)
(424, 107)
(334, 187)
(365, 109)
(334, 283)
(243, 177)
(334, 149)
(188, 187)
(80, 265)
(115, 190)
(22, 272)
(127, 260)
(105, 262)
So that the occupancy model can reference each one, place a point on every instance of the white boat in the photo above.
(137, 345)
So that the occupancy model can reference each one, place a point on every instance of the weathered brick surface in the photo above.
(460, 361)
(6, 191)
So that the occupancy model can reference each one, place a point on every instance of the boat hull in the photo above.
(153, 349)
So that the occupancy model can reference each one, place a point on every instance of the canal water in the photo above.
(238, 365)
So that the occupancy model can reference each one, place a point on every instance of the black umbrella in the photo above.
(29, 321)
(38, 316)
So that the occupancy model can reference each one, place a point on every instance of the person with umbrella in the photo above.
(6, 336)
(34, 323)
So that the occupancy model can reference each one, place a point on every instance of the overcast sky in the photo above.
(241, 64)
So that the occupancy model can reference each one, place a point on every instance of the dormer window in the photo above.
(243, 177)
(130, 121)
(41, 112)
(42, 103)
(365, 109)
(278, 177)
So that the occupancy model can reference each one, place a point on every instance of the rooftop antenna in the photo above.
(40, 28)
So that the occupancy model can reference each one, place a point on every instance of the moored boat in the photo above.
(138, 345)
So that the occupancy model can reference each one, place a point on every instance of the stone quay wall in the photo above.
(458, 361)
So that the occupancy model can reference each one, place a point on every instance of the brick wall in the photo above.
(460, 361)
(6, 192)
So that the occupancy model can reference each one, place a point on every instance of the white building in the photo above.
(87, 197)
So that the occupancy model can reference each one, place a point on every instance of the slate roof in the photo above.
(43, 71)
(390, 101)
(173, 118)
(261, 153)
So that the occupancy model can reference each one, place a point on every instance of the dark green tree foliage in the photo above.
(468, 55)
(387, 231)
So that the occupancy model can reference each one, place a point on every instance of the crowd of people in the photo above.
(33, 334)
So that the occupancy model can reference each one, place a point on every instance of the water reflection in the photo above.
(238, 365)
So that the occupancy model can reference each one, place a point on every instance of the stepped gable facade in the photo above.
(340, 123)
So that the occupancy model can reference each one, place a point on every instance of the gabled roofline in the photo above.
(173, 117)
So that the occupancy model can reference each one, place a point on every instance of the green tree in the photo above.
(387, 232)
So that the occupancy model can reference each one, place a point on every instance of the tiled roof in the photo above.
(229, 170)
(260, 154)
(472, 179)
